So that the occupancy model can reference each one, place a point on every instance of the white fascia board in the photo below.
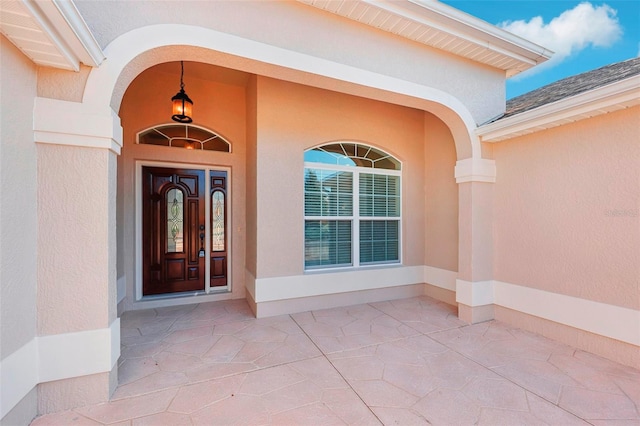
(65, 28)
(78, 34)
(467, 27)
(594, 102)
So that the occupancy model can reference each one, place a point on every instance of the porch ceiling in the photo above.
(50, 32)
(443, 27)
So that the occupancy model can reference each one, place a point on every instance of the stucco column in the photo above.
(474, 285)
(78, 329)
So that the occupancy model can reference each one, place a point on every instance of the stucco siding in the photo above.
(75, 208)
(293, 118)
(18, 225)
(297, 27)
(252, 214)
(566, 216)
(18, 232)
(441, 196)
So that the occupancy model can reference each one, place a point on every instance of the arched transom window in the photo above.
(352, 201)
(352, 154)
(184, 136)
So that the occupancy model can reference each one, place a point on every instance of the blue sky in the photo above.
(584, 34)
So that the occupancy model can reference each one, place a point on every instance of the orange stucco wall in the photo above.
(270, 124)
(441, 196)
(293, 118)
(252, 138)
(566, 216)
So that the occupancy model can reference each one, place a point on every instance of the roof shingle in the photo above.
(572, 86)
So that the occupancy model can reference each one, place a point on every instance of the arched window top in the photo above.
(186, 136)
(351, 154)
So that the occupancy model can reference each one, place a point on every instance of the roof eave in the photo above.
(612, 97)
(489, 44)
(56, 34)
(500, 40)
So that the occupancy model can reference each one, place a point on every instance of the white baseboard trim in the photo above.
(606, 320)
(610, 321)
(328, 301)
(442, 278)
(18, 375)
(473, 294)
(325, 283)
(56, 357)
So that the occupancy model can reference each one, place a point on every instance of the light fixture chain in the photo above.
(181, 75)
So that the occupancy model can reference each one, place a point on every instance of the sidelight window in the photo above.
(217, 221)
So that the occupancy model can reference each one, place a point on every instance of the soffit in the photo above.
(442, 27)
(204, 71)
(50, 32)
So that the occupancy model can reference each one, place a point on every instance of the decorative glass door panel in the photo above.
(218, 228)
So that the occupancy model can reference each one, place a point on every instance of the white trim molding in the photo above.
(18, 375)
(475, 170)
(442, 278)
(606, 320)
(324, 283)
(619, 95)
(52, 33)
(76, 124)
(56, 357)
(473, 294)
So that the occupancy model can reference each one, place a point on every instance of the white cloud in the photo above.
(574, 30)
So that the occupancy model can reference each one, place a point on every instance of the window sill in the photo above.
(352, 268)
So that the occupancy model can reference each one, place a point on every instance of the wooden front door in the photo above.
(173, 230)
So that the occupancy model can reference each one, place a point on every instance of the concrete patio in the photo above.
(403, 362)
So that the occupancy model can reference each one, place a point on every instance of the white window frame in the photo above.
(355, 217)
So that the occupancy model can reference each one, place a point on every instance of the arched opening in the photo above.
(130, 58)
(156, 153)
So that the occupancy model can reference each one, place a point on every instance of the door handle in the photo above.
(201, 252)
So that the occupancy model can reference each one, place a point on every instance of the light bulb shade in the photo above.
(182, 107)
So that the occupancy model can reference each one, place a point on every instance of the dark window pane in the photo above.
(379, 241)
(327, 243)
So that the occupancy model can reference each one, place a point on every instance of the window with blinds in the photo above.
(352, 199)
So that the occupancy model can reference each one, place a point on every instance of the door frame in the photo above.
(208, 290)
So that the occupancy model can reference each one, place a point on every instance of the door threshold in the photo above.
(184, 298)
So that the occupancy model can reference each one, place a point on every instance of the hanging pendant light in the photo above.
(182, 104)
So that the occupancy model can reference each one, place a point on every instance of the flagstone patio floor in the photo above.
(400, 362)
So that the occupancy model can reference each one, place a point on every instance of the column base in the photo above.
(65, 394)
(24, 412)
(475, 314)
